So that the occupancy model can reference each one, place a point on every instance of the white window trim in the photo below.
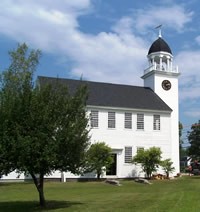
(140, 115)
(111, 120)
(156, 122)
(128, 158)
(94, 119)
(128, 121)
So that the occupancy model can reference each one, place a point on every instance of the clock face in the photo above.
(166, 85)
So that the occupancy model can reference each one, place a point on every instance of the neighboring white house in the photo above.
(129, 118)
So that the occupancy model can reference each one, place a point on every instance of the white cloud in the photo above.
(174, 16)
(124, 25)
(193, 112)
(189, 64)
(113, 56)
(197, 39)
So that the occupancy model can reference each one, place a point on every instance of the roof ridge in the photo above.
(89, 81)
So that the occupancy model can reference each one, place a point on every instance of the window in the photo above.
(140, 149)
(140, 121)
(128, 121)
(128, 154)
(156, 122)
(94, 119)
(111, 119)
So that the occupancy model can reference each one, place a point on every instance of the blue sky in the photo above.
(107, 40)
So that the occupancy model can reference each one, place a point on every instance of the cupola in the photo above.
(160, 56)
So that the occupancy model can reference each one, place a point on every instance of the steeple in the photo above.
(162, 78)
(160, 56)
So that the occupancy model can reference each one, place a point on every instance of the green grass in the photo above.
(182, 195)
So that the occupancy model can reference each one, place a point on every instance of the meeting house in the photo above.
(129, 118)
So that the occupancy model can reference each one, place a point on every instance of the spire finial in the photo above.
(159, 27)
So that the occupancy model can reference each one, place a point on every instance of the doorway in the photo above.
(112, 170)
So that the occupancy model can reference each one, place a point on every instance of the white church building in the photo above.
(129, 118)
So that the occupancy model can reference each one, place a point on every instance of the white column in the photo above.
(168, 63)
(160, 63)
(171, 66)
(149, 60)
(63, 178)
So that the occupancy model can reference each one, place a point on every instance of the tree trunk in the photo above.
(39, 183)
(148, 174)
(98, 175)
(41, 191)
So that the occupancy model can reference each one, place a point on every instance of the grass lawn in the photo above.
(182, 195)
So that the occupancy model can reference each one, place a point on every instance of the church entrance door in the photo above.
(112, 170)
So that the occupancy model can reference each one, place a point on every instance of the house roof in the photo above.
(114, 95)
(159, 45)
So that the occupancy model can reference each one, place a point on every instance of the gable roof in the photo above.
(114, 95)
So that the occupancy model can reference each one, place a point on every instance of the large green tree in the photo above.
(182, 150)
(194, 140)
(44, 126)
(15, 83)
(98, 158)
(149, 160)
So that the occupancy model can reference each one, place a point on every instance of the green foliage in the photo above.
(194, 140)
(180, 139)
(44, 127)
(184, 152)
(15, 90)
(180, 130)
(167, 166)
(149, 159)
(98, 158)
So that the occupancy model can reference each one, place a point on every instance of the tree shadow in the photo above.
(32, 206)
(195, 177)
(3, 184)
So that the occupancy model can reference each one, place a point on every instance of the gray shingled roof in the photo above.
(114, 95)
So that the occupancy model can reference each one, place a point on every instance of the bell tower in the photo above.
(162, 77)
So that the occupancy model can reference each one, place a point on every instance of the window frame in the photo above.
(139, 148)
(127, 120)
(140, 121)
(94, 118)
(128, 154)
(156, 122)
(111, 120)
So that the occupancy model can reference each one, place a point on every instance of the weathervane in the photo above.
(159, 27)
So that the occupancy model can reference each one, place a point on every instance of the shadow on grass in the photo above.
(29, 206)
(2, 184)
(195, 177)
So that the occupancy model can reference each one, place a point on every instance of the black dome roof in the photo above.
(159, 45)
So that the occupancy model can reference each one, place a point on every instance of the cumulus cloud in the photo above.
(54, 27)
(197, 39)
(115, 56)
(42, 23)
(189, 64)
(162, 15)
(193, 112)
